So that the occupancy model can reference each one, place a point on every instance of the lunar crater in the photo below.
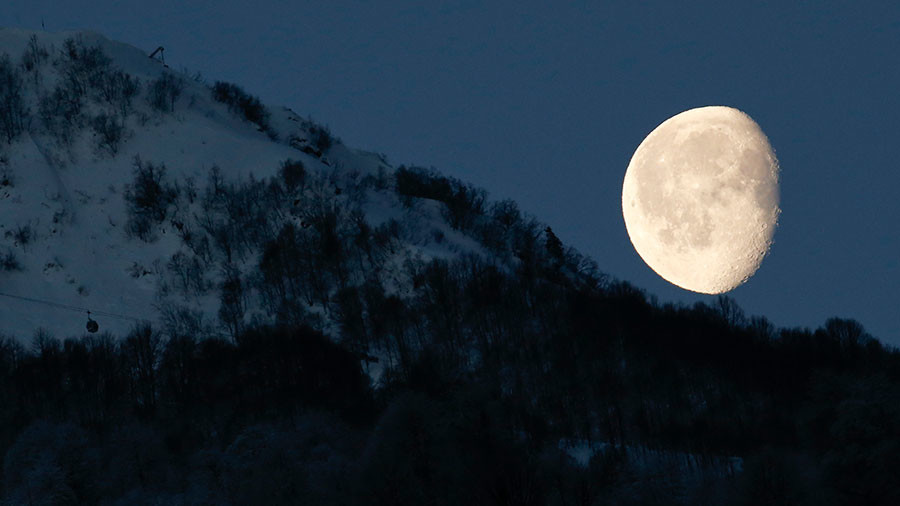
(702, 199)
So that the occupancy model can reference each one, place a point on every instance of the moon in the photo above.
(701, 199)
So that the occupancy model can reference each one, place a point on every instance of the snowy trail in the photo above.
(63, 190)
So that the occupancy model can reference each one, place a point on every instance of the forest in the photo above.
(514, 373)
(489, 374)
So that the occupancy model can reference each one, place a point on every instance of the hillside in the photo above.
(287, 320)
(70, 164)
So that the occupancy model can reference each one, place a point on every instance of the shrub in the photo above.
(82, 67)
(12, 109)
(118, 89)
(294, 174)
(23, 235)
(6, 176)
(241, 102)
(319, 135)
(164, 92)
(190, 273)
(87, 59)
(233, 303)
(110, 132)
(421, 183)
(9, 262)
(60, 112)
(148, 199)
(554, 245)
(34, 56)
(463, 202)
(464, 206)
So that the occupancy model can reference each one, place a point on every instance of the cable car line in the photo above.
(73, 308)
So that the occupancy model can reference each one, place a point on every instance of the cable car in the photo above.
(92, 325)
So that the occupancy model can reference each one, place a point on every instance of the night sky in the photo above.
(545, 103)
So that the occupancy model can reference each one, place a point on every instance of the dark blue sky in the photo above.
(545, 103)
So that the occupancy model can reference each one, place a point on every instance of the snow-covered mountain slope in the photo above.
(83, 131)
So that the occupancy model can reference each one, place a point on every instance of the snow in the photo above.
(72, 199)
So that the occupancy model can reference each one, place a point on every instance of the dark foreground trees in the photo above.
(680, 406)
(492, 373)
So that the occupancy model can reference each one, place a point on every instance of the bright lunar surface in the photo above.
(700, 199)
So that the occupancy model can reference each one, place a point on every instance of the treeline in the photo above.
(98, 420)
(534, 350)
(282, 416)
(284, 412)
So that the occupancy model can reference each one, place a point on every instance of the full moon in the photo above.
(700, 199)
